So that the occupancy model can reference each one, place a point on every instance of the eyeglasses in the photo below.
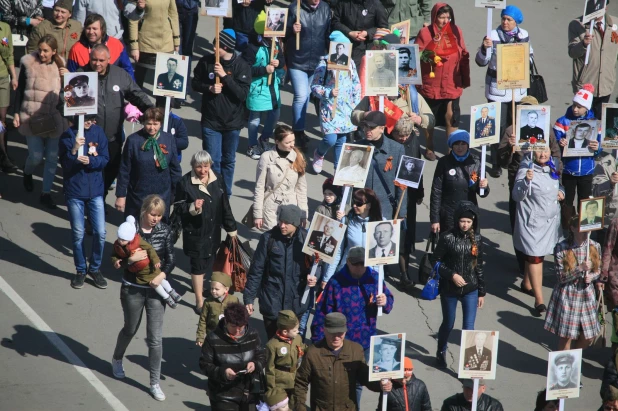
(359, 203)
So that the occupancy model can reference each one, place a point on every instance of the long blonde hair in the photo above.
(570, 261)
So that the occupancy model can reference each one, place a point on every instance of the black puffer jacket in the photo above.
(458, 403)
(313, 36)
(161, 240)
(220, 352)
(359, 15)
(244, 17)
(451, 184)
(201, 233)
(417, 395)
(278, 274)
(454, 252)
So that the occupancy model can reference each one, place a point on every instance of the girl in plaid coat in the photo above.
(572, 311)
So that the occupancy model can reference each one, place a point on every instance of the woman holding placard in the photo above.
(445, 68)
(572, 311)
(537, 191)
(507, 33)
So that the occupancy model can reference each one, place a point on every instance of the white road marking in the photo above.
(62, 347)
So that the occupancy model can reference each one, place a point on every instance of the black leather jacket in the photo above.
(458, 403)
(454, 252)
(161, 241)
(313, 36)
(417, 395)
(451, 184)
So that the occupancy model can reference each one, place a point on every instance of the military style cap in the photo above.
(564, 359)
(390, 341)
(222, 278)
(286, 320)
(335, 323)
(78, 81)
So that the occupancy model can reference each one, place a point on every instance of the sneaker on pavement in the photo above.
(318, 162)
(175, 296)
(253, 152)
(117, 368)
(78, 280)
(170, 301)
(99, 280)
(157, 393)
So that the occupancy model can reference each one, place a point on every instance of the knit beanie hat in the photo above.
(286, 320)
(222, 278)
(65, 4)
(514, 12)
(291, 214)
(260, 23)
(276, 399)
(338, 37)
(407, 363)
(328, 185)
(584, 96)
(458, 135)
(227, 40)
(127, 230)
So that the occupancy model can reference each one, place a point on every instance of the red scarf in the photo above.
(444, 42)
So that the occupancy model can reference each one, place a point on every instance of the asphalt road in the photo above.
(69, 368)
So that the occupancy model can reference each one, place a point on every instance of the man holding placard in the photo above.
(463, 401)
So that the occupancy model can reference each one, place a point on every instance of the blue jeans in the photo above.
(187, 19)
(301, 81)
(449, 310)
(37, 148)
(330, 140)
(222, 148)
(268, 118)
(96, 215)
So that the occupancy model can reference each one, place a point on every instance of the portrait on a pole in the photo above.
(171, 75)
(386, 354)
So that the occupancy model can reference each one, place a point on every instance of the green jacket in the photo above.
(211, 313)
(417, 11)
(6, 51)
(146, 274)
(283, 359)
(66, 37)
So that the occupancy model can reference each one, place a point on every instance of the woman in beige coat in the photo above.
(280, 180)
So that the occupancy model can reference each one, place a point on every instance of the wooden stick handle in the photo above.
(336, 88)
(298, 22)
(403, 192)
(272, 57)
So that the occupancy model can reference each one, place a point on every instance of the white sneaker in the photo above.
(318, 162)
(117, 368)
(156, 392)
(254, 152)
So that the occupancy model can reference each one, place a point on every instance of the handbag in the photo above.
(431, 290)
(248, 220)
(537, 84)
(600, 341)
(425, 267)
(43, 124)
(230, 262)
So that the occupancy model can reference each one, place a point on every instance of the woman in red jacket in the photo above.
(445, 68)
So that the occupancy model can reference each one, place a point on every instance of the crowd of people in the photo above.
(240, 86)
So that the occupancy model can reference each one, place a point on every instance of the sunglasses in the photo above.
(359, 203)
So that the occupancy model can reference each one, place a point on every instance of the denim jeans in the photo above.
(96, 214)
(359, 388)
(37, 148)
(187, 20)
(268, 118)
(449, 310)
(133, 300)
(222, 148)
(330, 140)
(301, 82)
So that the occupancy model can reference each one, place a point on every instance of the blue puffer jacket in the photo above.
(313, 36)
(81, 181)
(576, 166)
(263, 97)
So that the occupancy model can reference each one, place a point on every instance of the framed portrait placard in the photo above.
(513, 66)
(382, 242)
(408, 63)
(533, 127)
(382, 77)
(386, 354)
(579, 135)
(353, 165)
(609, 126)
(490, 4)
(478, 355)
(171, 75)
(276, 22)
(324, 237)
(410, 171)
(218, 8)
(591, 214)
(485, 124)
(339, 56)
(593, 9)
(404, 31)
(563, 374)
(81, 93)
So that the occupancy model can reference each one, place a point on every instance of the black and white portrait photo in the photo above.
(408, 63)
(353, 165)
(339, 56)
(533, 127)
(591, 214)
(382, 242)
(579, 135)
(386, 356)
(276, 21)
(382, 75)
(80, 93)
(609, 126)
(478, 354)
(218, 8)
(563, 374)
(593, 9)
(410, 171)
(171, 73)
(324, 237)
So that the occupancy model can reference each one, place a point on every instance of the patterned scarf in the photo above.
(152, 144)
(507, 37)
(444, 41)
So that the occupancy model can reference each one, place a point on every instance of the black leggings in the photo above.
(581, 184)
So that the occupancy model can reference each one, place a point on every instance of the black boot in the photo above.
(301, 139)
(28, 183)
(6, 164)
(441, 359)
(47, 200)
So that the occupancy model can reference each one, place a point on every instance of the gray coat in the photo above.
(537, 221)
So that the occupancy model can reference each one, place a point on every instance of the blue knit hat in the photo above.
(338, 37)
(514, 12)
(458, 135)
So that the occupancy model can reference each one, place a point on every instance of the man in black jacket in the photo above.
(416, 397)
(115, 86)
(463, 401)
(279, 271)
(223, 104)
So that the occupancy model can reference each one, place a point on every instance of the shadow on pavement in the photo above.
(195, 406)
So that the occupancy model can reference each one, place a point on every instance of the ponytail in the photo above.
(53, 44)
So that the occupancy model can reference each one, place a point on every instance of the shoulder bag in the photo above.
(432, 288)
(42, 124)
(248, 220)
(600, 341)
(425, 267)
(537, 84)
